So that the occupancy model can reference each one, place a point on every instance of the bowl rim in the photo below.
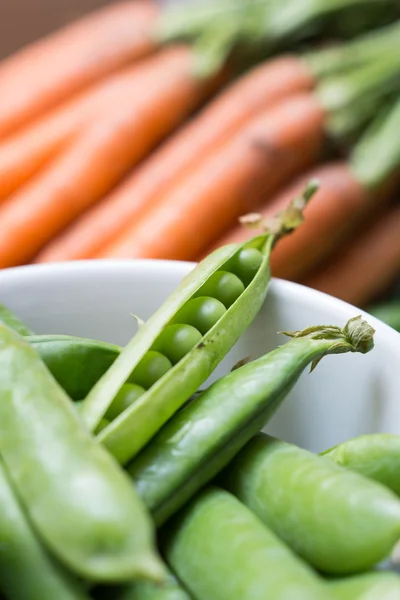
(279, 286)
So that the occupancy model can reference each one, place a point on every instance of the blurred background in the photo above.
(143, 129)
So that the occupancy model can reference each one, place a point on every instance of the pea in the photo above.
(149, 370)
(246, 264)
(224, 286)
(175, 341)
(221, 551)
(126, 396)
(202, 313)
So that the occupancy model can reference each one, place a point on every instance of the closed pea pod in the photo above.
(370, 586)
(205, 435)
(129, 432)
(221, 551)
(27, 572)
(81, 504)
(76, 363)
(376, 456)
(337, 520)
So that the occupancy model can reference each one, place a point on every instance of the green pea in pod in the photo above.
(376, 456)
(218, 327)
(205, 435)
(339, 521)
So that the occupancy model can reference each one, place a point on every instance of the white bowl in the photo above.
(345, 396)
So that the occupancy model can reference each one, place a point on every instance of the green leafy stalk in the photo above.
(377, 156)
(360, 51)
(220, 28)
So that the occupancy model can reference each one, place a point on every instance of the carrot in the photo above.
(51, 70)
(261, 88)
(231, 180)
(369, 265)
(349, 193)
(150, 104)
(24, 154)
(339, 199)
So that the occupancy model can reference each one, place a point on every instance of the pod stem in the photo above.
(287, 220)
(356, 336)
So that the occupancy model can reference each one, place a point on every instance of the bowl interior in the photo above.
(345, 396)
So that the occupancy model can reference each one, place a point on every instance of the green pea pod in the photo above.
(371, 586)
(206, 434)
(133, 429)
(376, 456)
(129, 432)
(76, 363)
(27, 572)
(8, 318)
(221, 551)
(337, 520)
(78, 499)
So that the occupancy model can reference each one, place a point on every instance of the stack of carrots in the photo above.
(140, 133)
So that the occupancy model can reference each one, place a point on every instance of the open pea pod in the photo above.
(195, 303)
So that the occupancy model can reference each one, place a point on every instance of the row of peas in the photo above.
(196, 317)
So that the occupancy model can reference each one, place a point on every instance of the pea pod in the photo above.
(129, 432)
(76, 363)
(206, 434)
(376, 456)
(221, 551)
(221, 327)
(8, 318)
(81, 504)
(27, 572)
(370, 586)
(337, 520)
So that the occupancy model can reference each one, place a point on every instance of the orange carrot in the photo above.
(24, 154)
(230, 181)
(369, 265)
(150, 104)
(256, 91)
(49, 71)
(340, 199)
